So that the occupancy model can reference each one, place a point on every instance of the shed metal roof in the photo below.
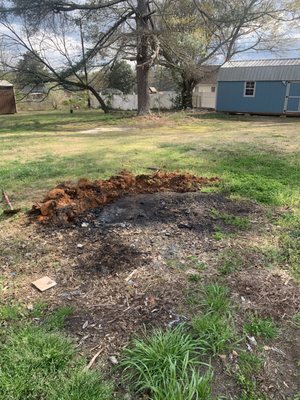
(261, 70)
(5, 84)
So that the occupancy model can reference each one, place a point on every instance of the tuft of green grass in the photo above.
(199, 266)
(289, 243)
(194, 278)
(218, 234)
(11, 312)
(261, 327)
(56, 320)
(296, 320)
(245, 372)
(289, 219)
(270, 255)
(230, 219)
(287, 253)
(214, 327)
(249, 389)
(249, 363)
(36, 364)
(193, 262)
(39, 308)
(85, 385)
(215, 298)
(165, 365)
(230, 261)
(214, 332)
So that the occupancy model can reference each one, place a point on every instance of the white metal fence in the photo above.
(160, 101)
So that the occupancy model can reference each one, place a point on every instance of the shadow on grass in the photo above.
(241, 117)
(46, 122)
(37, 173)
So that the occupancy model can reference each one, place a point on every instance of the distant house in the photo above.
(204, 94)
(259, 87)
(32, 93)
(7, 98)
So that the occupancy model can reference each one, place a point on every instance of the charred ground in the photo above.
(135, 264)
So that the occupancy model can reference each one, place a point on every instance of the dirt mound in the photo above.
(63, 203)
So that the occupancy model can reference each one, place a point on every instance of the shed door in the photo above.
(7, 101)
(292, 99)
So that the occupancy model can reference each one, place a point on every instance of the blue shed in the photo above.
(259, 87)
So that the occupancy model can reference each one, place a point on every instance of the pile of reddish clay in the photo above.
(67, 200)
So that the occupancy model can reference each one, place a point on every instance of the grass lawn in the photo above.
(257, 159)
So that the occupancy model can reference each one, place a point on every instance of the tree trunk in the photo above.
(143, 90)
(143, 57)
(187, 93)
(100, 99)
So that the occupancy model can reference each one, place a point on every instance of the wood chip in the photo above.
(85, 324)
(91, 363)
(44, 283)
(131, 275)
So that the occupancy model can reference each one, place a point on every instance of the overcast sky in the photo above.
(291, 48)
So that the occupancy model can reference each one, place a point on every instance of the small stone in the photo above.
(80, 246)
(252, 340)
(85, 324)
(113, 360)
(84, 225)
(70, 294)
(234, 353)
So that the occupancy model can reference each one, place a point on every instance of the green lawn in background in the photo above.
(257, 157)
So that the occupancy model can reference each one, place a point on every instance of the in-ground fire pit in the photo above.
(63, 203)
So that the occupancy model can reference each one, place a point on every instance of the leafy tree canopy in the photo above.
(30, 71)
(122, 77)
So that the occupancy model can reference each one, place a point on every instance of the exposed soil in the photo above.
(63, 203)
(124, 267)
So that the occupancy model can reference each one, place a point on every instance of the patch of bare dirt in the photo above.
(269, 293)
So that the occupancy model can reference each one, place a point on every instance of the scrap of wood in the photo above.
(11, 210)
(7, 200)
(131, 275)
(91, 363)
(82, 340)
(44, 283)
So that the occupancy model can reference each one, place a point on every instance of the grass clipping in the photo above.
(63, 203)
